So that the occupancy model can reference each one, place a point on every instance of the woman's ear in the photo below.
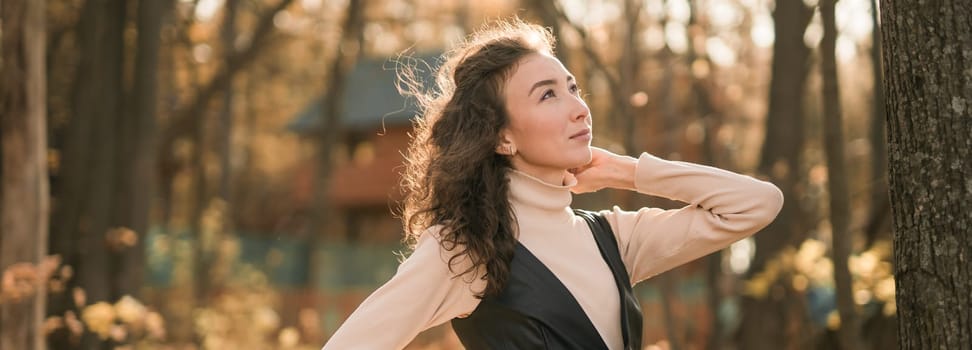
(505, 146)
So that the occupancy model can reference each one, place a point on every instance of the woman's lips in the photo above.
(583, 135)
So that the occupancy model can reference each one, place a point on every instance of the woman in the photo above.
(498, 250)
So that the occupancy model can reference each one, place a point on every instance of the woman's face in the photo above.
(550, 125)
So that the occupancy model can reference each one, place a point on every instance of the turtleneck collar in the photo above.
(528, 192)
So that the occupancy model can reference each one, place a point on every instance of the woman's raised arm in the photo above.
(723, 207)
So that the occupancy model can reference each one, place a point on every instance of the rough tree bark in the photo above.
(24, 189)
(849, 332)
(779, 315)
(928, 86)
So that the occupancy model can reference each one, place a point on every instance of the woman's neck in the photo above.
(556, 177)
(534, 197)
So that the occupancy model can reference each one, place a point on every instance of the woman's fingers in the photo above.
(598, 173)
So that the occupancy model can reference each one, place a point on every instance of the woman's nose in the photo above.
(580, 110)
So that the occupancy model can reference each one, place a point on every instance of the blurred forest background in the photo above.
(223, 174)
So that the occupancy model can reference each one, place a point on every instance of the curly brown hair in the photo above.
(453, 176)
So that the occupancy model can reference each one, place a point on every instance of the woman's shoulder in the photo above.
(450, 251)
(438, 253)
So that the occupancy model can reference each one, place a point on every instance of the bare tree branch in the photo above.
(183, 121)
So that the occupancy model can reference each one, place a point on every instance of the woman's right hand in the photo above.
(606, 169)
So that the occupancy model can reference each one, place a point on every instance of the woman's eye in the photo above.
(574, 89)
(547, 94)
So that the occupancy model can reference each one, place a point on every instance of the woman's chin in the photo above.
(579, 164)
(583, 158)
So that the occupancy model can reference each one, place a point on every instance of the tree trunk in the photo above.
(227, 122)
(24, 188)
(778, 315)
(138, 173)
(228, 126)
(780, 156)
(205, 241)
(87, 203)
(879, 220)
(201, 197)
(332, 109)
(928, 86)
(849, 332)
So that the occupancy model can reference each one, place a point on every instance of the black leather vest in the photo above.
(536, 311)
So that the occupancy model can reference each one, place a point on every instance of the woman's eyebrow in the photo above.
(541, 83)
(546, 82)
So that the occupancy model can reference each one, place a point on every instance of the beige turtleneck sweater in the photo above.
(723, 207)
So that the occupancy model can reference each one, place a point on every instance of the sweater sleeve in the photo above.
(422, 294)
(723, 207)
